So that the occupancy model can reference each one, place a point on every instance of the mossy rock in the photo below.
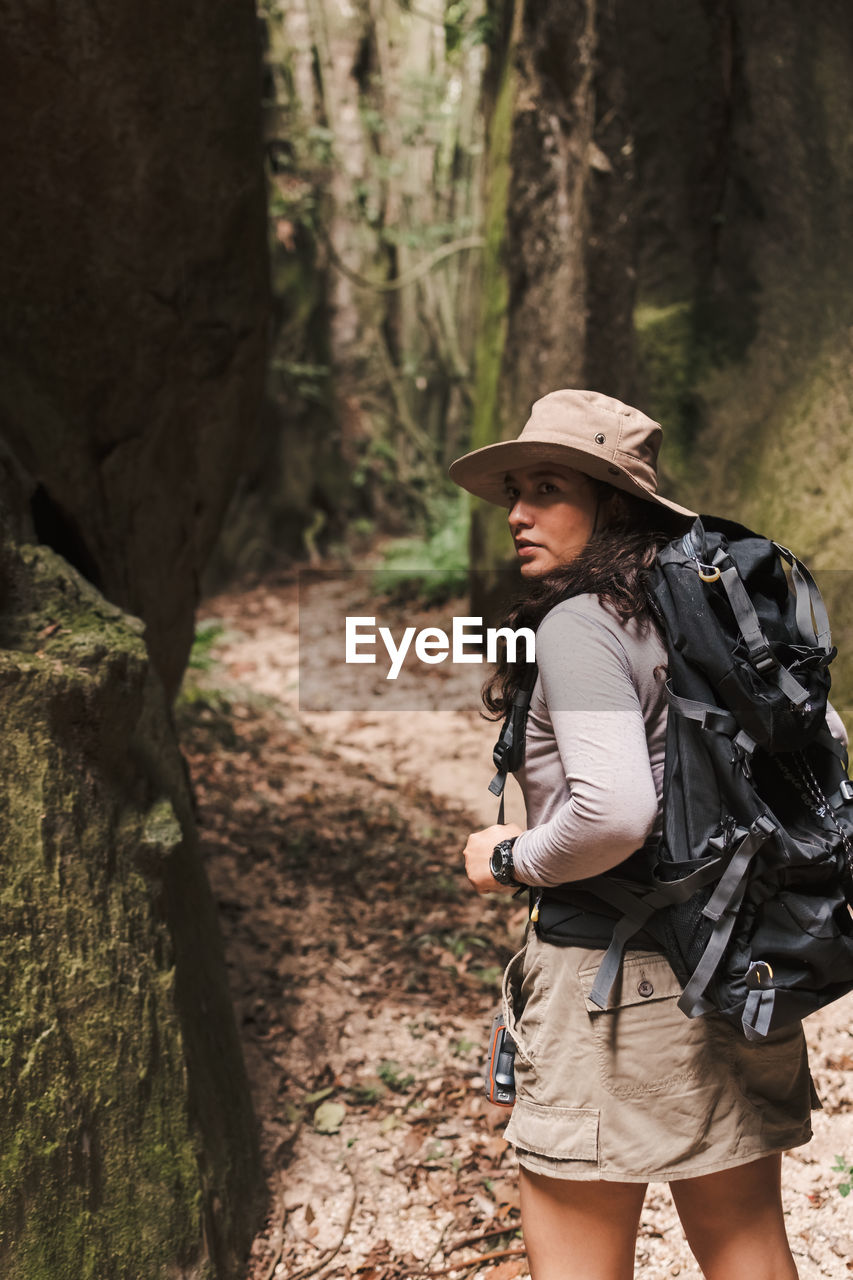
(127, 1146)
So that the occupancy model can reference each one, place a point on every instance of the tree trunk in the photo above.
(374, 146)
(534, 332)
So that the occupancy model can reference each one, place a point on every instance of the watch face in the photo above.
(500, 858)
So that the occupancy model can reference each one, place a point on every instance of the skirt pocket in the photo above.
(644, 1043)
(561, 1133)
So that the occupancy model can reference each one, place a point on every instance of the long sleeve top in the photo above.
(593, 773)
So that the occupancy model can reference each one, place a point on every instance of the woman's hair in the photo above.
(614, 565)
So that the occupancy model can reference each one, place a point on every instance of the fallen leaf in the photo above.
(319, 1095)
(494, 1148)
(329, 1117)
(505, 1193)
(508, 1269)
(412, 1143)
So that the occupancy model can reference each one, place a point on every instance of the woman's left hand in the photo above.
(478, 854)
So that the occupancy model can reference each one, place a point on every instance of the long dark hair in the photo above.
(614, 565)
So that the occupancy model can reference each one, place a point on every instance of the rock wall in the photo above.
(744, 306)
(134, 283)
(127, 1142)
(669, 203)
(132, 343)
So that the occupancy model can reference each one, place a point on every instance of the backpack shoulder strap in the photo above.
(508, 753)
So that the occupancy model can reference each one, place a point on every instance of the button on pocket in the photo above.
(644, 1043)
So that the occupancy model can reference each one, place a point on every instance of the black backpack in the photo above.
(747, 893)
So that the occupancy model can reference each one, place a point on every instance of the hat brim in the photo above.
(483, 472)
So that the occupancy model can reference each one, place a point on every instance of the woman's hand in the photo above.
(478, 853)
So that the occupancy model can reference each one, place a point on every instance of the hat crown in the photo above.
(584, 430)
(601, 426)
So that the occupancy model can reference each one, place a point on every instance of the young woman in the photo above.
(609, 1100)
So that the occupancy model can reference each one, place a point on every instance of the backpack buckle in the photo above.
(762, 659)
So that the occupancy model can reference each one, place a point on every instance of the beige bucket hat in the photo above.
(586, 430)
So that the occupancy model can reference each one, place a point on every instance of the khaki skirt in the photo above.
(638, 1092)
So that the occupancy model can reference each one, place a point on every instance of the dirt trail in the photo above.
(365, 973)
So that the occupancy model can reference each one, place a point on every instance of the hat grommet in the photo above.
(601, 438)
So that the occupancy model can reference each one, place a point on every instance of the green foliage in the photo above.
(207, 637)
(465, 28)
(309, 381)
(843, 1165)
(390, 1075)
(365, 1095)
(491, 976)
(404, 195)
(377, 463)
(434, 567)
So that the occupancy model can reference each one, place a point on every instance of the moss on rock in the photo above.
(115, 1146)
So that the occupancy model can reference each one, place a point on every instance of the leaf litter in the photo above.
(365, 973)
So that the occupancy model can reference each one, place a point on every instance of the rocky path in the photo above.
(365, 973)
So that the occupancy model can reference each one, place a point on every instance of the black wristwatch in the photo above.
(500, 863)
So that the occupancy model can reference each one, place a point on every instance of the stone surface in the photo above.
(132, 344)
(134, 286)
(127, 1143)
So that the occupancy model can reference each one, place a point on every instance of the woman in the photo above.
(608, 1100)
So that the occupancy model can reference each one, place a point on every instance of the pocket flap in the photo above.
(643, 977)
(563, 1133)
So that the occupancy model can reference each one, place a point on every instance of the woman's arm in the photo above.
(600, 734)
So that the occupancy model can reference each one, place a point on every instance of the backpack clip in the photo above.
(762, 658)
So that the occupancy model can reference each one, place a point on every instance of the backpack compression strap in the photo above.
(715, 720)
(757, 645)
(811, 615)
(722, 909)
(637, 912)
(812, 618)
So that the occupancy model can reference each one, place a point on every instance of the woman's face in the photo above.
(552, 513)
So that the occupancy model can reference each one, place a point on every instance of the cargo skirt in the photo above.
(638, 1092)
